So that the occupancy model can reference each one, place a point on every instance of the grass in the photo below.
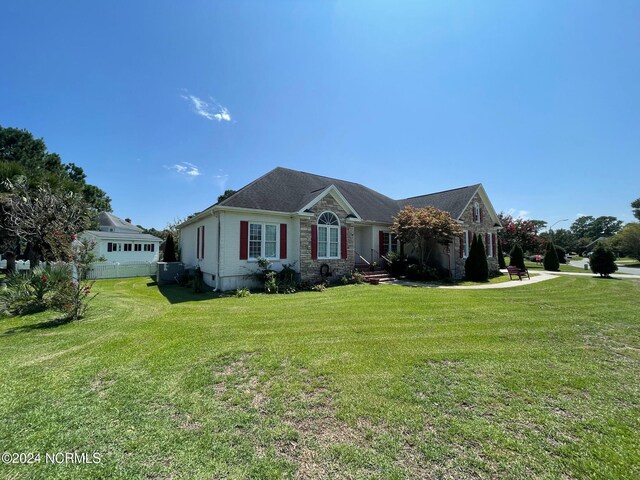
(563, 267)
(355, 382)
(499, 279)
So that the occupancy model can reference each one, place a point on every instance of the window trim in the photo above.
(476, 212)
(263, 241)
(328, 242)
(465, 242)
(388, 243)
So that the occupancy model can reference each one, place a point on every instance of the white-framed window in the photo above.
(390, 243)
(263, 240)
(489, 239)
(476, 212)
(328, 236)
(465, 242)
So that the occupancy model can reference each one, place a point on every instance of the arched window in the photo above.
(328, 236)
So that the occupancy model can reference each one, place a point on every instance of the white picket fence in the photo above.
(104, 270)
(122, 270)
(20, 265)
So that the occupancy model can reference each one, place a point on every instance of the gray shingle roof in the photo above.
(453, 201)
(285, 190)
(106, 219)
(133, 236)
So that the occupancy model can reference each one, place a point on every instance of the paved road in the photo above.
(621, 269)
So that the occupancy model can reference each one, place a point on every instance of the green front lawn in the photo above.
(358, 381)
(563, 267)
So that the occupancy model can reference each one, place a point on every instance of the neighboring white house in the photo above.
(119, 241)
(320, 224)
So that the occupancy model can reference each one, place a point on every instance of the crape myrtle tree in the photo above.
(423, 227)
(520, 231)
(44, 218)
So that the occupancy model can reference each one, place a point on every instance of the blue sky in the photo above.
(539, 101)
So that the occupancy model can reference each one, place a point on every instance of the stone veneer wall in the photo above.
(486, 226)
(309, 268)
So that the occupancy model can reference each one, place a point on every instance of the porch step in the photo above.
(378, 276)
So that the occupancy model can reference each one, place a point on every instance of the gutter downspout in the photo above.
(218, 259)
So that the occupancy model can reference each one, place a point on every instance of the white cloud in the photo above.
(521, 214)
(185, 168)
(210, 110)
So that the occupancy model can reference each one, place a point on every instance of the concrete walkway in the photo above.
(536, 277)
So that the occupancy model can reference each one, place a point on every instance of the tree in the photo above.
(635, 205)
(521, 231)
(501, 262)
(628, 241)
(516, 257)
(602, 261)
(551, 261)
(45, 218)
(22, 155)
(594, 228)
(169, 249)
(476, 267)
(563, 238)
(225, 195)
(424, 227)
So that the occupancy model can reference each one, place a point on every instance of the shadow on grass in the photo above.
(56, 322)
(177, 294)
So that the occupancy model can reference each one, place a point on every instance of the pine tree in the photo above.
(169, 250)
(476, 267)
(603, 261)
(517, 257)
(501, 262)
(551, 261)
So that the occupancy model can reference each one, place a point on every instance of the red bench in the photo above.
(515, 271)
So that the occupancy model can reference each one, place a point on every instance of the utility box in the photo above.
(169, 272)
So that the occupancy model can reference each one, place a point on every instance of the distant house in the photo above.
(320, 223)
(119, 241)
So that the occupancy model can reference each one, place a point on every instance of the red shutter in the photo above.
(283, 240)
(343, 242)
(202, 243)
(462, 245)
(381, 242)
(244, 240)
(198, 244)
(314, 242)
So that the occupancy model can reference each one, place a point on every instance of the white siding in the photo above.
(124, 257)
(231, 273)
(188, 245)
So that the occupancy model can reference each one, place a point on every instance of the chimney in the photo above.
(128, 220)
